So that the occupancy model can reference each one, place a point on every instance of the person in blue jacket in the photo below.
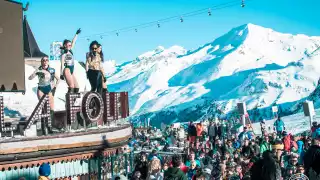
(236, 144)
(315, 133)
(154, 154)
(279, 126)
(300, 151)
(245, 134)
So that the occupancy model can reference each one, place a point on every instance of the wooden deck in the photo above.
(92, 137)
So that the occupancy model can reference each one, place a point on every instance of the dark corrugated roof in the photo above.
(31, 48)
(14, 2)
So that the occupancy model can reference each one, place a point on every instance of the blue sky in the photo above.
(55, 20)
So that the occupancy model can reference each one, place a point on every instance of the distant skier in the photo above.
(279, 126)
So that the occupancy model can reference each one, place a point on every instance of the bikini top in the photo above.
(68, 58)
(46, 76)
(94, 61)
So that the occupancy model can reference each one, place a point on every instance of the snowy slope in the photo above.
(249, 63)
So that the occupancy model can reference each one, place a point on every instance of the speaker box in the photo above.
(308, 108)
(11, 47)
(242, 108)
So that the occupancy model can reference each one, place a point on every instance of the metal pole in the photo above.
(145, 123)
(310, 118)
(243, 120)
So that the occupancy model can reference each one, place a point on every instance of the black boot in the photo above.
(70, 90)
(104, 90)
(76, 90)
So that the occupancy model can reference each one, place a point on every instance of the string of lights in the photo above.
(159, 22)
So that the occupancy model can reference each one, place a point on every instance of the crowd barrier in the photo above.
(96, 168)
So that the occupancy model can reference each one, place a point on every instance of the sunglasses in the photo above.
(94, 48)
(45, 59)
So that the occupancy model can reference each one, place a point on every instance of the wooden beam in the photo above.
(61, 146)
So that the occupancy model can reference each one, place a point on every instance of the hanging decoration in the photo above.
(208, 11)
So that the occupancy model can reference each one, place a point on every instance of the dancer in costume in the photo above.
(67, 64)
(46, 85)
(94, 68)
(104, 79)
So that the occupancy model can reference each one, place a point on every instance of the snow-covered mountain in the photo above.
(249, 63)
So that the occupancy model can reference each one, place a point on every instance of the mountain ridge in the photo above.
(233, 56)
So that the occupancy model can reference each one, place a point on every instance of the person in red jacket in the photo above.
(199, 128)
(314, 126)
(289, 142)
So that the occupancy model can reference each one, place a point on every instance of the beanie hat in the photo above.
(45, 170)
(278, 145)
(285, 133)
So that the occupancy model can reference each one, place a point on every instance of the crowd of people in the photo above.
(212, 151)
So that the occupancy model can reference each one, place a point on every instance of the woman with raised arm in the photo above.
(94, 68)
(67, 64)
(46, 85)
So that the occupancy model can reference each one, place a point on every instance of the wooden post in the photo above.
(1, 116)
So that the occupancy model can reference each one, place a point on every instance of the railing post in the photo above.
(99, 167)
(112, 166)
(131, 161)
(89, 168)
(126, 163)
